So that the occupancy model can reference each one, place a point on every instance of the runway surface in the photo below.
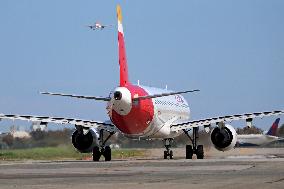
(233, 172)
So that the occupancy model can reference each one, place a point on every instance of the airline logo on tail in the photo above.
(273, 129)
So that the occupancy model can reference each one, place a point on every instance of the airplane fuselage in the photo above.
(148, 117)
(256, 139)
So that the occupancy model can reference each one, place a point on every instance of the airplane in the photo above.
(141, 112)
(260, 139)
(97, 26)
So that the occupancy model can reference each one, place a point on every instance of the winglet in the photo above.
(273, 129)
(121, 50)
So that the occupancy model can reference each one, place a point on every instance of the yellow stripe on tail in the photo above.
(119, 15)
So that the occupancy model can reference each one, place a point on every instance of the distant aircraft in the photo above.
(141, 112)
(260, 139)
(98, 26)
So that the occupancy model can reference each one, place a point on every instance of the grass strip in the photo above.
(63, 152)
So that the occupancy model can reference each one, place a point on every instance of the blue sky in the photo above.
(231, 50)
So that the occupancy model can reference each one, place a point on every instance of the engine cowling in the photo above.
(84, 143)
(224, 138)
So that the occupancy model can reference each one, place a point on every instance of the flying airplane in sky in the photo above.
(98, 26)
(260, 139)
(145, 113)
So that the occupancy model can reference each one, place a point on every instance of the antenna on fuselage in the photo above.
(138, 82)
(166, 87)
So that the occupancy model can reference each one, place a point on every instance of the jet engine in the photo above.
(224, 138)
(84, 142)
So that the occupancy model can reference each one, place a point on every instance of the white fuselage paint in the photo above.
(256, 139)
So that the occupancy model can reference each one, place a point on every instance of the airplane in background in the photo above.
(244, 139)
(141, 112)
(260, 139)
(98, 26)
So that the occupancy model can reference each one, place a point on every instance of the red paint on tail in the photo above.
(121, 51)
(122, 61)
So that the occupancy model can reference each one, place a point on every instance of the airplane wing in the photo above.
(187, 124)
(90, 26)
(163, 94)
(106, 25)
(44, 120)
(78, 96)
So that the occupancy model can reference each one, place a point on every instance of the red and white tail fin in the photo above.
(121, 50)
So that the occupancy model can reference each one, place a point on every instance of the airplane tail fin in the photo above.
(273, 129)
(121, 50)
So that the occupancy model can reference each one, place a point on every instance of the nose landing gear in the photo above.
(168, 153)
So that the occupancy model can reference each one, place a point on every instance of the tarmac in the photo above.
(260, 168)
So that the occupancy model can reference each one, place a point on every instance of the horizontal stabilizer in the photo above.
(77, 96)
(163, 94)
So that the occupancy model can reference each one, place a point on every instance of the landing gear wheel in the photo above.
(96, 153)
(107, 153)
(165, 154)
(194, 148)
(168, 152)
(188, 152)
(101, 149)
(199, 152)
(171, 154)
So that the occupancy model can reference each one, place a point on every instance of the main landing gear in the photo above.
(100, 150)
(168, 153)
(194, 148)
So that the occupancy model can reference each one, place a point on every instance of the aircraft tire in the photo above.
(171, 154)
(188, 152)
(96, 153)
(107, 153)
(165, 154)
(200, 152)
